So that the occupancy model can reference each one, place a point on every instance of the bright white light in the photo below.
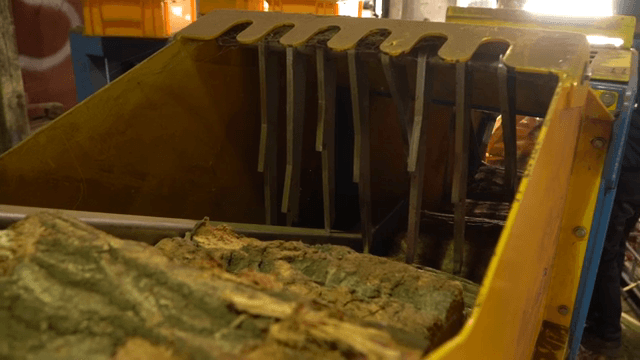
(578, 8)
(604, 40)
(188, 17)
(477, 3)
(348, 8)
(176, 10)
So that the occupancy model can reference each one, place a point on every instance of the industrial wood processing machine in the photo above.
(345, 131)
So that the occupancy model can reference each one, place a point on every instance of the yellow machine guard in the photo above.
(178, 136)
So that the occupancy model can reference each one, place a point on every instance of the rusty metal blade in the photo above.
(424, 86)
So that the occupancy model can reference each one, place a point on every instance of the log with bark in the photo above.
(69, 291)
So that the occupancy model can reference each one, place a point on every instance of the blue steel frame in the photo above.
(606, 194)
(89, 55)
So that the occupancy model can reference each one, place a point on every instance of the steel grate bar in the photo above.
(424, 89)
(359, 82)
(397, 80)
(325, 139)
(295, 121)
(461, 165)
(507, 93)
(267, 160)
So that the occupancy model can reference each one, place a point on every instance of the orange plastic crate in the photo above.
(137, 18)
(210, 5)
(319, 7)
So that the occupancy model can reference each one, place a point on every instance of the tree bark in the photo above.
(14, 123)
(69, 291)
(361, 286)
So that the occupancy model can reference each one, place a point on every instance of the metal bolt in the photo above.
(580, 231)
(563, 309)
(608, 98)
(598, 142)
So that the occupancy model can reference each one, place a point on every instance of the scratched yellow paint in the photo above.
(612, 65)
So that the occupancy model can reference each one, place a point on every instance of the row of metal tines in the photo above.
(412, 114)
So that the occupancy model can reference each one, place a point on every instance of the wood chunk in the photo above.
(141, 349)
(359, 285)
(69, 291)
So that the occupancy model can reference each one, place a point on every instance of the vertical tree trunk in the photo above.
(14, 124)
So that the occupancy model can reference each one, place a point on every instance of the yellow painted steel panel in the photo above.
(152, 142)
(622, 27)
(577, 219)
(611, 65)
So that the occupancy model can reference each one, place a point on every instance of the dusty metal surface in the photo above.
(552, 340)
(611, 65)
(151, 229)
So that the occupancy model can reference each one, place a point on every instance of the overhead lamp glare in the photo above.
(573, 8)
